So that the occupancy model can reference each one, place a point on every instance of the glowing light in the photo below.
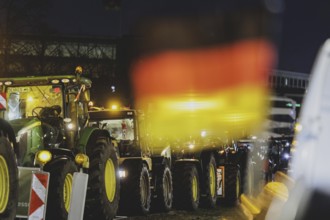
(286, 156)
(44, 156)
(57, 90)
(90, 104)
(70, 126)
(55, 81)
(82, 160)
(29, 99)
(114, 104)
(191, 146)
(65, 80)
(79, 69)
(122, 173)
(298, 127)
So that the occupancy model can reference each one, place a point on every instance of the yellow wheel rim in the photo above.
(110, 180)
(237, 186)
(4, 184)
(67, 189)
(212, 180)
(194, 188)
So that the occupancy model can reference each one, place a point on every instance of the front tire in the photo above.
(60, 189)
(135, 196)
(209, 199)
(103, 185)
(186, 187)
(164, 191)
(8, 180)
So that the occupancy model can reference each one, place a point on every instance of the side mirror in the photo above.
(85, 96)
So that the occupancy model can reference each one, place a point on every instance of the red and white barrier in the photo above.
(38, 198)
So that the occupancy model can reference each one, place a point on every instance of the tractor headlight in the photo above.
(65, 80)
(82, 160)
(70, 126)
(8, 83)
(43, 157)
(122, 173)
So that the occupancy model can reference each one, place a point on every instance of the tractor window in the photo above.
(24, 99)
(77, 111)
(120, 129)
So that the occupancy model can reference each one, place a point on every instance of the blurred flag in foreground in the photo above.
(204, 73)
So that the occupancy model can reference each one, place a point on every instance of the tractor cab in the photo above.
(47, 110)
(124, 128)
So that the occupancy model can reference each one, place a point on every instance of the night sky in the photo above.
(305, 25)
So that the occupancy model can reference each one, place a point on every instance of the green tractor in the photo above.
(45, 120)
(145, 174)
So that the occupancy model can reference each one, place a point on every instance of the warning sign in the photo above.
(3, 101)
(38, 198)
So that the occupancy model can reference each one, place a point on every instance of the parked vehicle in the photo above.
(45, 119)
(145, 176)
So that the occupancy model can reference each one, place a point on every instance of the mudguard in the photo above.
(7, 128)
(88, 136)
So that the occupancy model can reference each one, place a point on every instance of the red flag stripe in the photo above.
(204, 70)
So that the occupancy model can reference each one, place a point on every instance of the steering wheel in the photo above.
(36, 111)
(46, 112)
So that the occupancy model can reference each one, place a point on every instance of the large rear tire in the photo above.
(8, 179)
(209, 199)
(164, 190)
(103, 185)
(135, 196)
(186, 192)
(60, 189)
(232, 185)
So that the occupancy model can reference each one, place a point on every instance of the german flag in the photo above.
(192, 79)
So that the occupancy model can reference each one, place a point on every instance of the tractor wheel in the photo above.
(135, 196)
(8, 180)
(186, 187)
(209, 199)
(232, 185)
(164, 190)
(103, 184)
(60, 189)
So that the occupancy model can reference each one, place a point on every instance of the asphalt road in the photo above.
(219, 213)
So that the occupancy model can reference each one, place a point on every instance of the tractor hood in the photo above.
(22, 125)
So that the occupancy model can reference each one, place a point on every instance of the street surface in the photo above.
(219, 213)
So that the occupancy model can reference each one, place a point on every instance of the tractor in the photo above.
(45, 120)
(145, 174)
